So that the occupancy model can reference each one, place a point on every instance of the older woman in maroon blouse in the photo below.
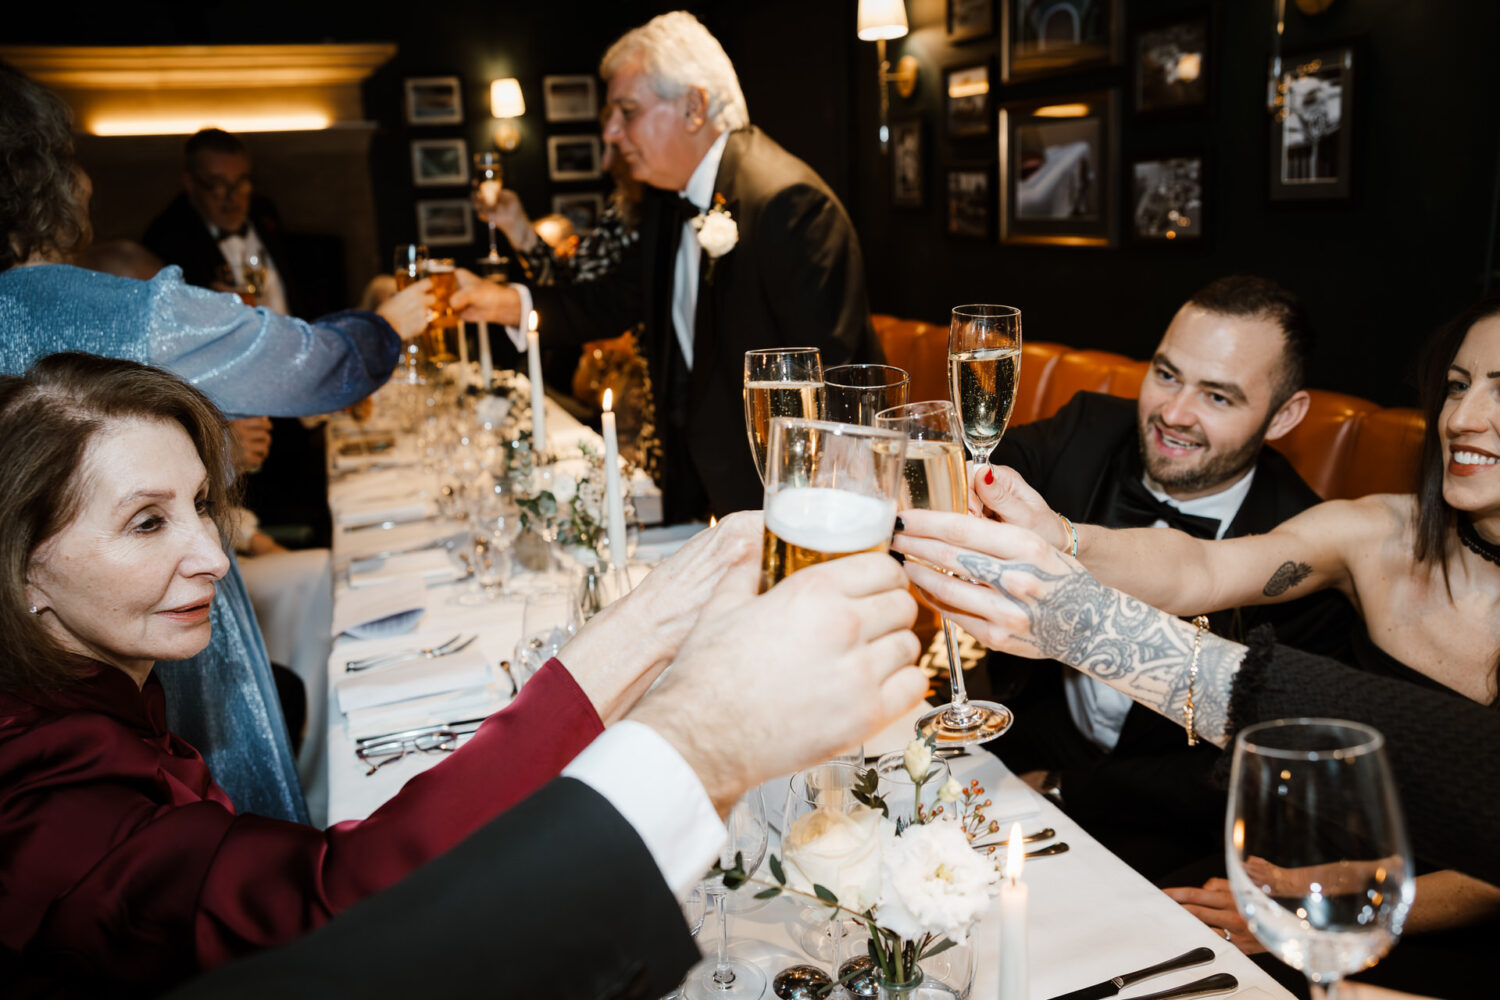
(123, 867)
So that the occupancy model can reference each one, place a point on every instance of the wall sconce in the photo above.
(506, 103)
(879, 20)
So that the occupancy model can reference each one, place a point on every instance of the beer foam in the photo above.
(830, 520)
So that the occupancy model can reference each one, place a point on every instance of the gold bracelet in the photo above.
(1200, 625)
(1072, 532)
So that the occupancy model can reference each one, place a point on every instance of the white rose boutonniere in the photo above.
(717, 233)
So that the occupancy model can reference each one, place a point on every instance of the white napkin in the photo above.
(431, 565)
(356, 513)
(1013, 800)
(387, 602)
(401, 484)
(413, 679)
(402, 538)
(431, 710)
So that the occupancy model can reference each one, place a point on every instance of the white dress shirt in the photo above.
(1097, 709)
(699, 191)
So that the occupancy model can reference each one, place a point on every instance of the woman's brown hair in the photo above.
(42, 190)
(48, 416)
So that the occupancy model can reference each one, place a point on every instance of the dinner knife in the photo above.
(1219, 982)
(1110, 987)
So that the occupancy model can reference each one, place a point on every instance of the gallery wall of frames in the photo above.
(1096, 161)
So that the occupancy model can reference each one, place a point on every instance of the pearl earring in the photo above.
(35, 610)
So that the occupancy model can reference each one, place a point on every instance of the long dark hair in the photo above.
(42, 193)
(47, 419)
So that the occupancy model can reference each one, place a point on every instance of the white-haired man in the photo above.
(788, 273)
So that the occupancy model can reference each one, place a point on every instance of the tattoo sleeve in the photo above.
(1287, 576)
(1135, 648)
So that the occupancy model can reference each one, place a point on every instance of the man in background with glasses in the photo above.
(218, 231)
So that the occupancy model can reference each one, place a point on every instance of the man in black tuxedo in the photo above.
(218, 228)
(790, 272)
(1226, 378)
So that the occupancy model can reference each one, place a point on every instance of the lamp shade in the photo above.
(881, 19)
(505, 98)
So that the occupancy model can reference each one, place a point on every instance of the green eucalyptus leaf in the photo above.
(770, 893)
(938, 948)
(825, 895)
(776, 870)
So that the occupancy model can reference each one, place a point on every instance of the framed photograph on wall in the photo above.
(445, 222)
(1057, 170)
(1166, 200)
(907, 168)
(1171, 66)
(968, 192)
(439, 162)
(1044, 37)
(582, 209)
(573, 158)
(966, 100)
(570, 98)
(1310, 134)
(970, 19)
(434, 100)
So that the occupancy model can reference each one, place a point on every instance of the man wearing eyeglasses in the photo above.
(220, 234)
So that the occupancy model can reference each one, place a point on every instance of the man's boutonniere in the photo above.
(717, 233)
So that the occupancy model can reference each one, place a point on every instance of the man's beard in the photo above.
(1212, 471)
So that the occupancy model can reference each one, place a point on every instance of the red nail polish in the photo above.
(989, 477)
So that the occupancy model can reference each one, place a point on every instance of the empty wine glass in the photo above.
(494, 522)
(1316, 847)
(853, 394)
(547, 622)
(727, 977)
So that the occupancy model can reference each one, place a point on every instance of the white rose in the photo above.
(717, 233)
(492, 410)
(837, 850)
(917, 759)
(951, 791)
(564, 487)
(934, 883)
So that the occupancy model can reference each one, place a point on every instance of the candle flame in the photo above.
(531, 322)
(1014, 854)
(712, 520)
(609, 394)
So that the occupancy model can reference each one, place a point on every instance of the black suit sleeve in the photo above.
(558, 897)
(572, 315)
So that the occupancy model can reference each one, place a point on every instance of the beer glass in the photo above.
(488, 178)
(831, 491)
(934, 479)
(780, 382)
(444, 277)
(855, 393)
(984, 370)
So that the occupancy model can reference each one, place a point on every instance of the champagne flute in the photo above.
(984, 370)
(1315, 846)
(855, 393)
(411, 262)
(935, 480)
(488, 180)
(727, 978)
(780, 382)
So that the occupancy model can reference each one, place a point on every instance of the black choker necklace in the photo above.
(1485, 550)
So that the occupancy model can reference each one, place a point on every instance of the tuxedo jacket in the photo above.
(557, 897)
(180, 236)
(1075, 459)
(794, 278)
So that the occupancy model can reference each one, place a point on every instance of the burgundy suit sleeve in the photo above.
(271, 881)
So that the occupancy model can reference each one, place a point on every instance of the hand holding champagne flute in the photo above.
(488, 182)
(934, 479)
(984, 371)
(780, 382)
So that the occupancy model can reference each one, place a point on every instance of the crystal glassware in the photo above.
(779, 382)
(724, 977)
(488, 182)
(855, 393)
(984, 372)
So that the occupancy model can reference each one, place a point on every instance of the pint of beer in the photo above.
(831, 491)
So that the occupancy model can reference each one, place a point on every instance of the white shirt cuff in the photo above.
(647, 781)
(517, 334)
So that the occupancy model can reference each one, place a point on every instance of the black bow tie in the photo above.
(687, 210)
(1135, 507)
(241, 232)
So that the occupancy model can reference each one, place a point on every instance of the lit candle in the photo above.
(1014, 971)
(538, 390)
(463, 352)
(614, 498)
(486, 363)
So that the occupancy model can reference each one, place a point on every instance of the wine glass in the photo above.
(494, 522)
(780, 382)
(547, 623)
(984, 369)
(727, 977)
(1315, 846)
(855, 393)
(935, 480)
(488, 179)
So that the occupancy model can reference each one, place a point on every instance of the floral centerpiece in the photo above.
(572, 511)
(914, 883)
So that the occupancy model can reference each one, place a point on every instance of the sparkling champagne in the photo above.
(984, 390)
(933, 478)
(764, 400)
(806, 526)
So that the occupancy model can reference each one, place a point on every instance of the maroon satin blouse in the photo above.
(124, 868)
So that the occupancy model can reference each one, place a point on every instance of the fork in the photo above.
(453, 645)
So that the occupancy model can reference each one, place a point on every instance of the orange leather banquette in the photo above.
(1345, 447)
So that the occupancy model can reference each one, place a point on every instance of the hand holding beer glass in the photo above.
(831, 491)
(934, 479)
(444, 277)
(780, 382)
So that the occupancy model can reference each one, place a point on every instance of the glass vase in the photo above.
(886, 990)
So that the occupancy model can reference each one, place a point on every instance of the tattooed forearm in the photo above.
(1287, 576)
(1131, 646)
